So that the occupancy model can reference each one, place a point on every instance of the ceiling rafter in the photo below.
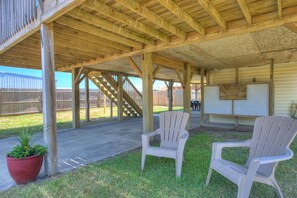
(69, 22)
(212, 11)
(60, 29)
(123, 18)
(153, 17)
(107, 25)
(245, 10)
(180, 13)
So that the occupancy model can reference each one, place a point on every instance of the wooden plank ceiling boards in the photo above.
(108, 34)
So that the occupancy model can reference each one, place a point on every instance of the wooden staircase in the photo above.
(108, 85)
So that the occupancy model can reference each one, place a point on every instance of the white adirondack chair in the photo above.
(173, 138)
(269, 145)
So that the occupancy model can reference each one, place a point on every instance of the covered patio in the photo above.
(79, 147)
(232, 49)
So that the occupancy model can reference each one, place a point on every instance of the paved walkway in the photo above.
(78, 147)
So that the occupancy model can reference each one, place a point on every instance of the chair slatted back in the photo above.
(172, 125)
(271, 137)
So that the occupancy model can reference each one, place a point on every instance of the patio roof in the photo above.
(209, 34)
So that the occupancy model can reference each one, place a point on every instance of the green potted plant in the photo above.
(24, 161)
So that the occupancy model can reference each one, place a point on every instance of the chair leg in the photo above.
(208, 176)
(244, 189)
(143, 160)
(276, 186)
(178, 166)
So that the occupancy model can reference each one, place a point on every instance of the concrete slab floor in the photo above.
(91, 143)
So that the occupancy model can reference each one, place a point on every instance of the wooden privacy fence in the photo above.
(23, 101)
(161, 97)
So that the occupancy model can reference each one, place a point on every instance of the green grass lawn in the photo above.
(10, 125)
(121, 176)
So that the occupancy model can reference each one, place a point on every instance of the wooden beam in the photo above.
(140, 9)
(66, 21)
(147, 92)
(202, 97)
(245, 10)
(187, 91)
(207, 5)
(168, 62)
(87, 99)
(75, 100)
(78, 75)
(126, 19)
(279, 8)
(292, 26)
(156, 70)
(107, 25)
(60, 9)
(184, 16)
(120, 97)
(181, 81)
(135, 67)
(49, 99)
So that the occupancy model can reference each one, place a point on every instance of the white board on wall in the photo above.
(257, 103)
(212, 102)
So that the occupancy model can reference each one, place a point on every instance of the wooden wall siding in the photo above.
(285, 80)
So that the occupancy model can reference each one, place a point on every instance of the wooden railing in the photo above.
(132, 91)
(15, 15)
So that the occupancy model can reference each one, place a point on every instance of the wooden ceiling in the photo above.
(103, 34)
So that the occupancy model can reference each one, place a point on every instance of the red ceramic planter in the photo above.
(24, 170)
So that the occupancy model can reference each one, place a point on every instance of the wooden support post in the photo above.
(120, 96)
(202, 97)
(271, 89)
(147, 95)
(196, 92)
(87, 102)
(104, 104)
(187, 91)
(208, 78)
(170, 95)
(111, 109)
(49, 98)
(75, 100)
(236, 81)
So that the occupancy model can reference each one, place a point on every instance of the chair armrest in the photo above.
(146, 138)
(217, 147)
(268, 160)
(181, 143)
(257, 162)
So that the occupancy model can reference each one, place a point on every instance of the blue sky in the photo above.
(63, 79)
